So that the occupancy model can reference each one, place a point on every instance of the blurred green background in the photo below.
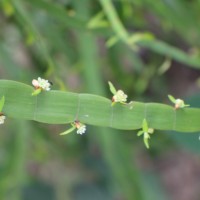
(74, 44)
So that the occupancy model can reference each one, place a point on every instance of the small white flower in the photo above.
(41, 83)
(179, 103)
(120, 96)
(81, 129)
(35, 83)
(150, 130)
(44, 84)
(2, 119)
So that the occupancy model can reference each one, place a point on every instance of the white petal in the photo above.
(2, 119)
(81, 129)
(35, 83)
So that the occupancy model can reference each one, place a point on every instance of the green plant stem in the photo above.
(58, 107)
(25, 21)
(114, 20)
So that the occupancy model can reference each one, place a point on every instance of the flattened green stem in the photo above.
(2, 101)
(57, 107)
(145, 126)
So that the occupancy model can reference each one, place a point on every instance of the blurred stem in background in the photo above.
(146, 40)
(33, 35)
(13, 176)
(116, 23)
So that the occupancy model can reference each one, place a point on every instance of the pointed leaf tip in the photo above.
(68, 131)
(140, 133)
(146, 142)
(172, 99)
(112, 88)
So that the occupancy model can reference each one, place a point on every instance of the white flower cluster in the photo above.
(2, 119)
(81, 128)
(179, 103)
(120, 96)
(41, 83)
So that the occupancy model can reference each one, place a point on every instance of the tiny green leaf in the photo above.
(112, 41)
(36, 92)
(136, 37)
(140, 133)
(98, 21)
(68, 131)
(2, 101)
(172, 99)
(146, 142)
(113, 103)
(112, 88)
(187, 105)
(145, 126)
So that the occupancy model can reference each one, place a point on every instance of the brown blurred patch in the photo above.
(180, 173)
